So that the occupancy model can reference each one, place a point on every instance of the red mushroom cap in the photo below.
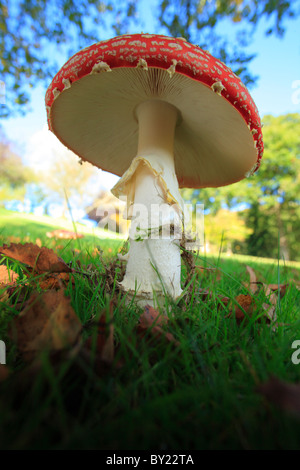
(219, 140)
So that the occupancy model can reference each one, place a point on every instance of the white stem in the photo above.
(154, 262)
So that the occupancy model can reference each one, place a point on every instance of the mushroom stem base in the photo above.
(153, 270)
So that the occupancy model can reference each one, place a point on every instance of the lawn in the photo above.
(201, 379)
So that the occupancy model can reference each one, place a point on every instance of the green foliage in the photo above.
(38, 36)
(14, 175)
(272, 193)
(33, 34)
(201, 394)
(276, 197)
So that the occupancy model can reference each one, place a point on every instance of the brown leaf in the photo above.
(38, 242)
(47, 322)
(7, 276)
(282, 288)
(283, 394)
(55, 281)
(253, 280)
(151, 316)
(206, 294)
(41, 259)
(151, 321)
(245, 302)
(270, 294)
(4, 296)
(270, 310)
(64, 234)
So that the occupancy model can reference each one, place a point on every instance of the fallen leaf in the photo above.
(38, 242)
(64, 234)
(270, 312)
(282, 288)
(206, 294)
(270, 294)
(8, 283)
(150, 316)
(283, 394)
(151, 321)
(55, 281)
(41, 259)
(244, 303)
(7, 276)
(253, 280)
(48, 321)
(4, 296)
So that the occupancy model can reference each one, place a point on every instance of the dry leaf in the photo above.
(282, 288)
(270, 312)
(64, 234)
(151, 321)
(7, 276)
(283, 394)
(41, 259)
(47, 322)
(253, 280)
(38, 242)
(270, 294)
(151, 316)
(55, 281)
(8, 282)
(245, 302)
(206, 294)
(4, 296)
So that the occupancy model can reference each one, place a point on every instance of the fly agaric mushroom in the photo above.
(162, 114)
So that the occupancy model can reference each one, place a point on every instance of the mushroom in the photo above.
(162, 114)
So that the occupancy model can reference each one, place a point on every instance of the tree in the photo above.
(14, 174)
(272, 194)
(278, 186)
(198, 21)
(33, 34)
(38, 36)
(66, 179)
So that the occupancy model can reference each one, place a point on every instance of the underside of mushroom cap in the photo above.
(92, 100)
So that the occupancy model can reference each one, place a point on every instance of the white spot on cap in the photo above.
(100, 67)
(218, 87)
(142, 64)
(251, 171)
(66, 82)
(171, 70)
(138, 43)
(56, 93)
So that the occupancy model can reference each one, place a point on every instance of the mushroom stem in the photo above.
(155, 206)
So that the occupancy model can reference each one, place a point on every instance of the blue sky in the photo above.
(276, 92)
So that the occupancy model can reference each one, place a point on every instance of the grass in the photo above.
(201, 394)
